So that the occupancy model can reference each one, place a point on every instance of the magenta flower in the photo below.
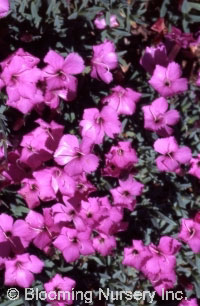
(123, 100)
(163, 259)
(68, 214)
(125, 194)
(195, 166)
(91, 212)
(14, 236)
(96, 124)
(190, 234)
(73, 244)
(100, 21)
(30, 192)
(62, 182)
(154, 56)
(172, 155)
(111, 217)
(59, 72)
(168, 81)
(104, 59)
(157, 263)
(42, 228)
(119, 159)
(182, 39)
(76, 157)
(43, 180)
(20, 80)
(137, 255)
(189, 302)
(59, 283)
(158, 119)
(4, 8)
(20, 271)
(104, 244)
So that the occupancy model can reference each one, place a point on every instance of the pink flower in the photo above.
(158, 119)
(104, 244)
(42, 228)
(157, 263)
(182, 39)
(100, 22)
(73, 244)
(154, 56)
(195, 166)
(76, 157)
(137, 255)
(111, 217)
(172, 155)
(104, 59)
(4, 8)
(43, 180)
(19, 271)
(14, 236)
(190, 234)
(119, 159)
(189, 302)
(30, 192)
(20, 79)
(68, 214)
(123, 100)
(39, 144)
(59, 72)
(59, 283)
(168, 81)
(125, 194)
(96, 124)
(163, 259)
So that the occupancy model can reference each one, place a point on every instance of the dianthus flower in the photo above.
(59, 73)
(189, 302)
(172, 155)
(123, 100)
(4, 8)
(62, 284)
(157, 263)
(42, 228)
(14, 236)
(120, 158)
(96, 124)
(195, 166)
(167, 81)
(158, 119)
(154, 56)
(125, 194)
(73, 243)
(74, 156)
(104, 59)
(20, 270)
(190, 233)
(104, 244)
